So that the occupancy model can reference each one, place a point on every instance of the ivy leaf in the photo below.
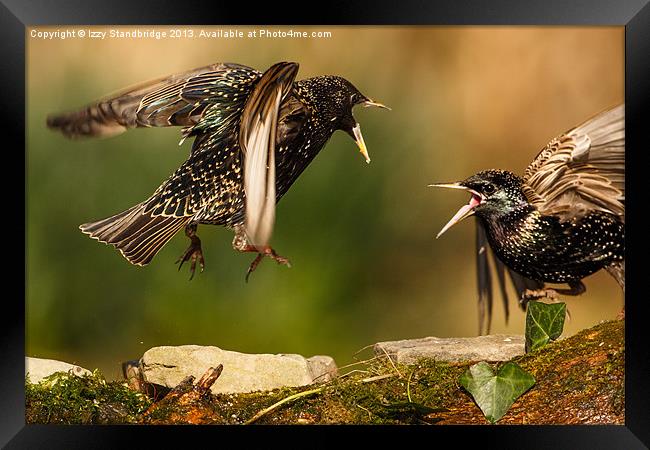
(495, 394)
(544, 323)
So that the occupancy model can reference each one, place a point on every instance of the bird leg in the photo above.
(537, 294)
(241, 244)
(266, 251)
(193, 252)
(576, 287)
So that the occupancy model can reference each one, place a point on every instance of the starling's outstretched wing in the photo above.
(484, 281)
(257, 139)
(208, 183)
(181, 99)
(581, 170)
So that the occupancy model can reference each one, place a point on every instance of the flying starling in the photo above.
(254, 134)
(563, 221)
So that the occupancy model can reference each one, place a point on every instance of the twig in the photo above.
(378, 377)
(282, 402)
(366, 410)
(320, 389)
(358, 362)
(352, 372)
(408, 386)
(362, 349)
(209, 377)
(390, 360)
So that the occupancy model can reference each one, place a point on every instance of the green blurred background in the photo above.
(366, 266)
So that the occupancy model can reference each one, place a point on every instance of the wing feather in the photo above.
(176, 100)
(257, 136)
(484, 281)
(484, 278)
(581, 170)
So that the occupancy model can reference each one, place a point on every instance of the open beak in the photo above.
(356, 130)
(368, 103)
(466, 210)
(358, 138)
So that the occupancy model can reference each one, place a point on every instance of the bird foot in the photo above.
(193, 253)
(551, 295)
(268, 252)
(621, 315)
(537, 294)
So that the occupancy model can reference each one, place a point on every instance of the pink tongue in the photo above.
(465, 209)
(474, 201)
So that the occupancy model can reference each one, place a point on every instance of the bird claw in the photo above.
(280, 259)
(269, 252)
(537, 294)
(253, 265)
(193, 254)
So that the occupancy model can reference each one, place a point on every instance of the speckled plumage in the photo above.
(564, 220)
(211, 104)
(543, 247)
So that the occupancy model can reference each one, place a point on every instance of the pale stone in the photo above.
(496, 347)
(39, 368)
(322, 368)
(242, 372)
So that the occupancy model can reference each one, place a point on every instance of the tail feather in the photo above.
(149, 240)
(136, 234)
(102, 229)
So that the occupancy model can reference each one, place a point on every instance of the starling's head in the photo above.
(335, 97)
(494, 193)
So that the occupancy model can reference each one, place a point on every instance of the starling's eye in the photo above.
(489, 189)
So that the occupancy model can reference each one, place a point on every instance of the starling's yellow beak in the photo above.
(356, 130)
(466, 210)
(358, 138)
(368, 103)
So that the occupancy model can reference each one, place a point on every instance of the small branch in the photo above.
(390, 360)
(378, 377)
(305, 394)
(408, 386)
(209, 377)
(282, 402)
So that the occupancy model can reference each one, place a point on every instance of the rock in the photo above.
(496, 347)
(167, 366)
(38, 368)
(322, 368)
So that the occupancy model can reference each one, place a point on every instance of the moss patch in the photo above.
(579, 380)
(64, 398)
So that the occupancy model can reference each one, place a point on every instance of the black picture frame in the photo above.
(16, 15)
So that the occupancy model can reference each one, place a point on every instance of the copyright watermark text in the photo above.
(176, 33)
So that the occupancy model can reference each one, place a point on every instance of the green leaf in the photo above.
(544, 323)
(495, 394)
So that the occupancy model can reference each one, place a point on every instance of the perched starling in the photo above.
(563, 221)
(254, 133)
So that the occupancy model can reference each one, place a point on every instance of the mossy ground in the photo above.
(579, 380)
(63, 398)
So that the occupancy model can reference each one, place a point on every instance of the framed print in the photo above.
(166, 283)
